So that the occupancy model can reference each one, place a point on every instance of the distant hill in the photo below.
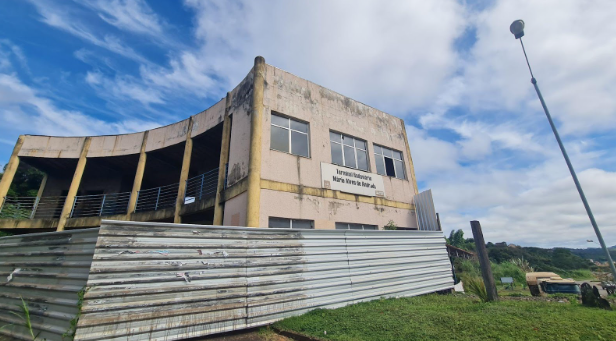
(595, 254)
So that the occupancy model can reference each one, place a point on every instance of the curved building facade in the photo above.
(277, 151)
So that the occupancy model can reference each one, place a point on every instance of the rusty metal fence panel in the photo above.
(47, 270)
(156, 281)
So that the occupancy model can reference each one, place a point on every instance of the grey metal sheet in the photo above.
(154, 281)
(424, 209)
(47, 270)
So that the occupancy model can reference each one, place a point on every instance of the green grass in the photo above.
(455, 317)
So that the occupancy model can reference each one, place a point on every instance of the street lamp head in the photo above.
(517, 28)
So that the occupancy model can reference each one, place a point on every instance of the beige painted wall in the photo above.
(235, 211)
(326, 110)
(167, 136)
(239, 147)
(326, 212)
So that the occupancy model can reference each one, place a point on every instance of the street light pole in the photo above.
(517, 28)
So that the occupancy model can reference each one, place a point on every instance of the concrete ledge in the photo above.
(197, 206)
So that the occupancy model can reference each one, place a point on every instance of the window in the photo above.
(289, 136)
(350, 226)
(348, 151)
(286, 223)
(389, 162)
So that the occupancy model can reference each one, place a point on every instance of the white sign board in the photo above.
(349, 180)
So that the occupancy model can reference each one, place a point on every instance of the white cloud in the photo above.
(60, 18)
(131, 15)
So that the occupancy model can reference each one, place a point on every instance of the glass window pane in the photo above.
(377, 150)
(380, 165)
(279, 223)
(280, 121)
(302, 224)
(371, 227)
(397, 155)
(337, 154)
(342, 226)
(387, 152)
(355, 227)
(301, 126)
(335, 137)
(299, 144)
(389, 167)
(280, 139)
(349, 157)
(399, 169)
(360, 144)
(362, 160)
(347, 140)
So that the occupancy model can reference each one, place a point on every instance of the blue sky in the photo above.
(450, 68)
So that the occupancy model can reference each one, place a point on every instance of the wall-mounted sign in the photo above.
(349, 180)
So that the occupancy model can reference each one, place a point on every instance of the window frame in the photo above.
(363, 226)
(367, 151)
(290, 223)
(289, 134)
(383, 156)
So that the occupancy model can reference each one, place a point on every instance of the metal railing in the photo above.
(201, 186)
(32, 207)
(100, 204)
(156, 198)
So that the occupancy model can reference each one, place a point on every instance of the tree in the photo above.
(26, 181)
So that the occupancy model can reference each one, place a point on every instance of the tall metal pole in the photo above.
(571, 170)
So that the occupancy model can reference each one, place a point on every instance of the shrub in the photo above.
(475, 286)
(390, 226)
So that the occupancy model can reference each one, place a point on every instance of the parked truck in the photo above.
(550, 283)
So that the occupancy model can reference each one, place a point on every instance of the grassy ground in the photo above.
(456, 317)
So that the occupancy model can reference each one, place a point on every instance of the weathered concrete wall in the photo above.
(52, 147)
(239, 147)
(326, 110)
(57, 184)
(208, 118)
(115, 145)
(326, 212)
(167, 136)
(235, 211)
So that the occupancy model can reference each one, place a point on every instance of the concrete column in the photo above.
(410, 160)
(72, 191)
(42, 186)
(254, 161)
(184, 173)
(10, 170)
(224, 159)
(138, 176)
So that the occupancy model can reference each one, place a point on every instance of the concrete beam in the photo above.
(219, 206)
(72, 191)
(11, 169)
(254, 161)
(184, 174)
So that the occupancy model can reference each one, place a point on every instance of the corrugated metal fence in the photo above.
(424, 209)
(153, 281)
(47, 270)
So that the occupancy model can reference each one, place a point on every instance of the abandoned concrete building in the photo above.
(278, 151)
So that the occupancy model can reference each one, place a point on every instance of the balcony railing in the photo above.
(157, 198)
(32, 207)
(197, 188)
(100, 205)
(201, 186)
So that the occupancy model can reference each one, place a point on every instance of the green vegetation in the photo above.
(26, 181)
(455, 317)
(475, 286)
(391, 226)
(24, 316)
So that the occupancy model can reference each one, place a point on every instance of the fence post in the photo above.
(157, 197)
(36, 202)
(484, 261)
(73, 207)
(100, 213)
(201, 190)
